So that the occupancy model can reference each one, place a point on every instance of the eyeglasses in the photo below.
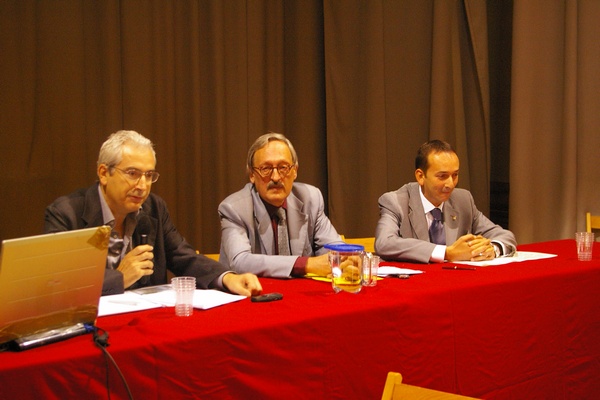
(134, 175)
(267, 170)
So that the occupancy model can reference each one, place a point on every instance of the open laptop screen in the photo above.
(51, 281)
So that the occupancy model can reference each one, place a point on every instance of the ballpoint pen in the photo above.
(456, 267)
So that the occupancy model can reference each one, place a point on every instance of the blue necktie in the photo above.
(436, 230)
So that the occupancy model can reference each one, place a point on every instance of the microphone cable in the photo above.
(101, 341)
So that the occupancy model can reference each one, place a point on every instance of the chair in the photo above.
(394, 389)
(592, 222)
(213, 256)
(367, 242)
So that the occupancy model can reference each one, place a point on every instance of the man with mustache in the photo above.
(431, 221)
(252, 219)
(143, 242)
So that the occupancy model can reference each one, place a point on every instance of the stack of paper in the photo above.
(160, 296)
(519, 256)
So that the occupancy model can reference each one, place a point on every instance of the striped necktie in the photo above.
(283, 241)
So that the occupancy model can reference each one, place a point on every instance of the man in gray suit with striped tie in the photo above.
(275, 226)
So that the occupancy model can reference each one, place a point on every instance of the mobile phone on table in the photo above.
(263, 298)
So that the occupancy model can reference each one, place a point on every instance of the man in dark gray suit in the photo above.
(144, 243)
(405, 233)
(253, 235)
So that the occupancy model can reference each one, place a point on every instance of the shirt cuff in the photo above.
(299, 268)
(437, 256)
(501, 249)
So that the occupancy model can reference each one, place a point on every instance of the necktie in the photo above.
(436, 230)
(283, 241)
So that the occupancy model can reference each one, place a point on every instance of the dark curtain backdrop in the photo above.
(555, 124)
(356, 85)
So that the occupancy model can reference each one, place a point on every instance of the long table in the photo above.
(526, 330)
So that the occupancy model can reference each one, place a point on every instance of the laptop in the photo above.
(50, 286)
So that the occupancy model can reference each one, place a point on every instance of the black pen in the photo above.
(461, 268)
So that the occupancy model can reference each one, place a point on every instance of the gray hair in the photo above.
(262, 141)
(111, 152)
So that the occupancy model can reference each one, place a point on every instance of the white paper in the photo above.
(124, 303)
(519, 256)
(203, 298)
(160, 296)
(385, 270)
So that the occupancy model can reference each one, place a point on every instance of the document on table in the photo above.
(519, 256)
(160, 296)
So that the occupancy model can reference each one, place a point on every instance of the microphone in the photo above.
(144, 227)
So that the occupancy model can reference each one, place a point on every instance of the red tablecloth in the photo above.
(526, 330)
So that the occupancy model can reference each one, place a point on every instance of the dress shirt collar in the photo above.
(427, 206)
(272, 210)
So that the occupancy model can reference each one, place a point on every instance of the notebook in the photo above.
(50, 286)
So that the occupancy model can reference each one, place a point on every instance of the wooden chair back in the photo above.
(394, 389)
(367, 242)
(592, 222)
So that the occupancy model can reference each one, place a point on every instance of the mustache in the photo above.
(277, 185)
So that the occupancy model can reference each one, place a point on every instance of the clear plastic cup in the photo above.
(184, 287)
(585, 244)
(370, 269)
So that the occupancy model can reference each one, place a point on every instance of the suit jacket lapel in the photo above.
(297, 224)
(263, 224)
(451, 217)
(92, 212)
(416, 213)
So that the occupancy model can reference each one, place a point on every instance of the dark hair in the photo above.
(432, 146)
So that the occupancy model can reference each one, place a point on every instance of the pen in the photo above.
(461, 268)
